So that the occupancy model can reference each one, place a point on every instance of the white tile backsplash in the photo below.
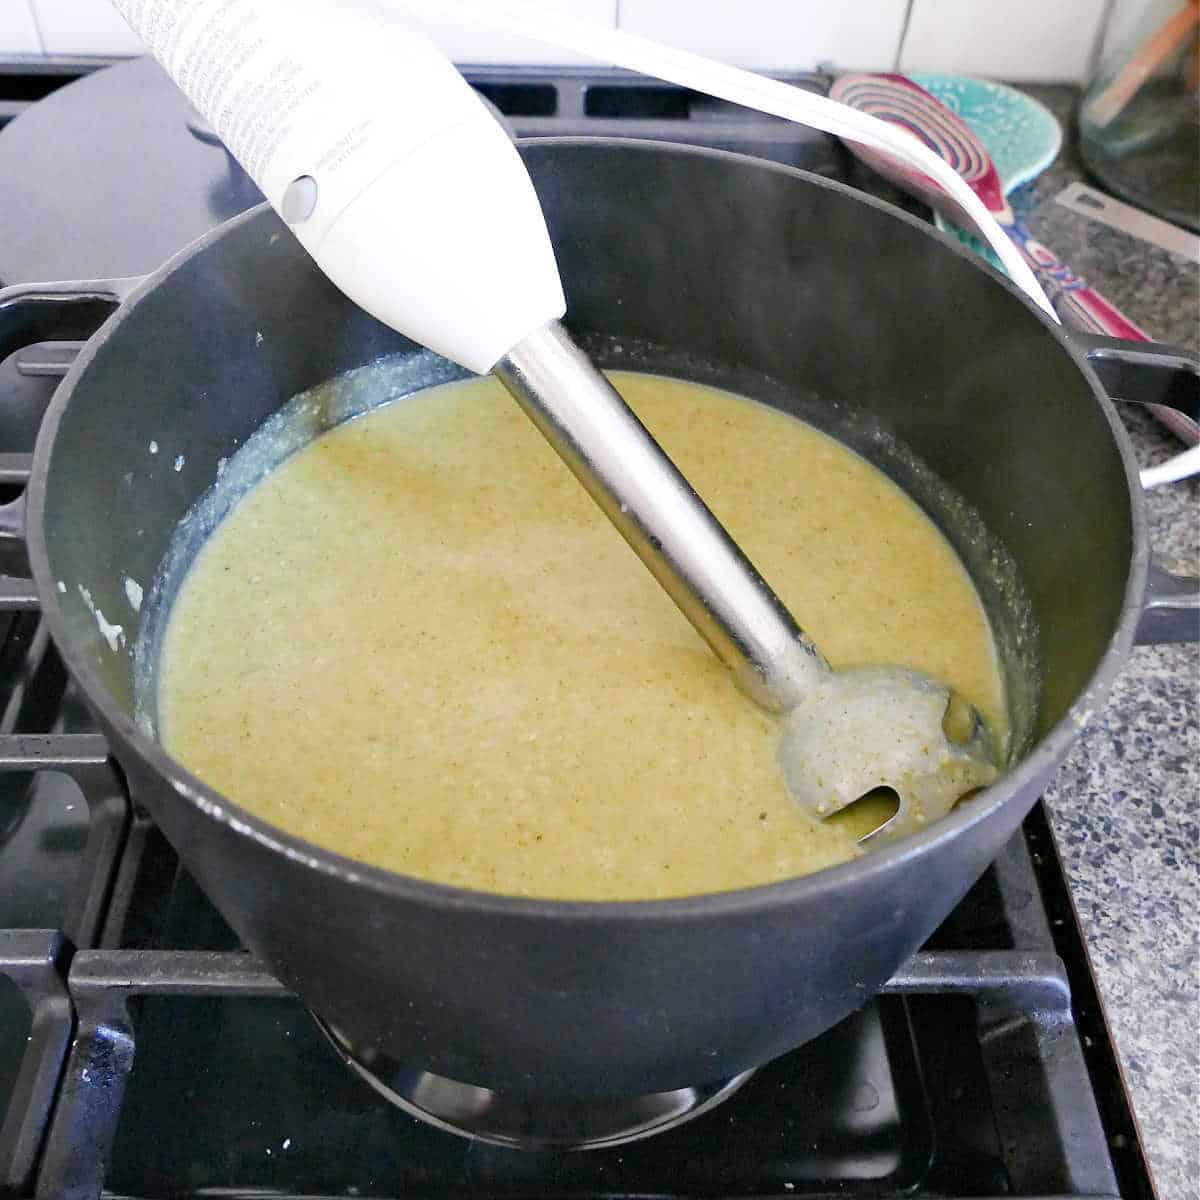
(475, 44)
(1008, 39)
(84, 27)
(94, 27)
(858, 35)
(18, 31)
(1018, 40)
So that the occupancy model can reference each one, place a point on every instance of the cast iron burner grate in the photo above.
(143, 1053)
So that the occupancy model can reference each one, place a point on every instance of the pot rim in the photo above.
(705, 906)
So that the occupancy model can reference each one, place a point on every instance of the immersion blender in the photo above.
(411, 198)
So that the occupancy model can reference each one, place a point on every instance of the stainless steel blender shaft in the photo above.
(657, 512)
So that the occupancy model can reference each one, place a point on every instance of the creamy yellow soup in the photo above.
(418, 643)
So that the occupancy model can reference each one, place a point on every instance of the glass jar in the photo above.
(1139, 119)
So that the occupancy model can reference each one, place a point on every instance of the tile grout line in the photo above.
(905, 24)
(31, 9)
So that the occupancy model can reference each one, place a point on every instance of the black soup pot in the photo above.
(734, 271)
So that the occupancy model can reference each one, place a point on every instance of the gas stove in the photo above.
(144, 1053)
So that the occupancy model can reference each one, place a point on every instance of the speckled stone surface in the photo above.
(1126, 804)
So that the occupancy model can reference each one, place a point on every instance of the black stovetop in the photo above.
(143, 1053)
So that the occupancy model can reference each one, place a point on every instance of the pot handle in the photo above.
(1166, 379)
(69, 311)
(1170, 608)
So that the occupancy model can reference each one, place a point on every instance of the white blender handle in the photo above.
(381, 158)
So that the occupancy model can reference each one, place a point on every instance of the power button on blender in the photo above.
(299, 200)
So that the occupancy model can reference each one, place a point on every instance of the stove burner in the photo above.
(519, 1123)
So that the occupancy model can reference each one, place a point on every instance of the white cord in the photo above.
(633, 52)
(1180, 467)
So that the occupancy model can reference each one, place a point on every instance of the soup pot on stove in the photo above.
(779, 285)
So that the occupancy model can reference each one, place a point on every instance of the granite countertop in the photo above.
(1126, 804)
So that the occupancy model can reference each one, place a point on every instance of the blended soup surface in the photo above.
(418, 643)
